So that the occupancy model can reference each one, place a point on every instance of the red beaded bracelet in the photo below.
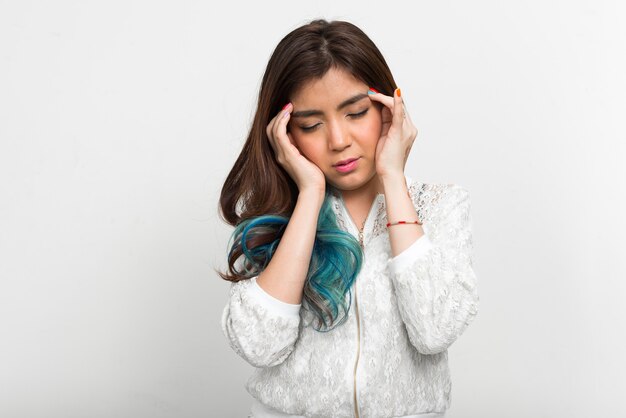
(403, 222)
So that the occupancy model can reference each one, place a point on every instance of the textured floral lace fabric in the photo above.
(411, 308)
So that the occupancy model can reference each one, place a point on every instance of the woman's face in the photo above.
(334, 120)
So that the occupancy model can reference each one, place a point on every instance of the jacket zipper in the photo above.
(358, 331)
(356, 303)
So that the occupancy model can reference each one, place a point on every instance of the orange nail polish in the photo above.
(398, 89)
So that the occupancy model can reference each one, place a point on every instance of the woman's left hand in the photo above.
(397, 136)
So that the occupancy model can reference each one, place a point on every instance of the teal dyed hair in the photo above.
(335, 261)
(258, 195)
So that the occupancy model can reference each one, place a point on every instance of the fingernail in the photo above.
(372, 90)
(398, 90)
(285, 106)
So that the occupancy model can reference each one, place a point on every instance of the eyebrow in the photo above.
(315, 112)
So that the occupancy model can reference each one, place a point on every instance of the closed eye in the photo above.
(352, 115)
(308, 128)
(360, 114)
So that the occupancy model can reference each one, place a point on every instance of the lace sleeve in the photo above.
(259, 328)
(436, 288)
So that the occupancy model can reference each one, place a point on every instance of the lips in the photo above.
(344, 162)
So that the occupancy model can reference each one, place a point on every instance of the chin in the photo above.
(349, 184)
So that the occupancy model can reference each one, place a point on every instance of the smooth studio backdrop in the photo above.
(119, 121)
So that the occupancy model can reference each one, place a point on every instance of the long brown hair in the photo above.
(257, 185)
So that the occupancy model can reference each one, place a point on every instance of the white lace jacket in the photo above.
(389, 359)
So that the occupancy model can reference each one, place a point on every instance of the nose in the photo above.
(339, 138)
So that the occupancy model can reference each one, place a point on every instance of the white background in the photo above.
(119, 121)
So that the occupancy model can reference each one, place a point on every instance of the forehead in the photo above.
(329, 90)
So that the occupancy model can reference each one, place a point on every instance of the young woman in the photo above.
(349, 279)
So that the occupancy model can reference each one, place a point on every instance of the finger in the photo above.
(407, 115)
(283, 138)
(270, 136)
(280, 125)
(386, 101)
(398, 109)
(408, 119)
(379, 97)
(272, 128)
(293, 142)
(269, 129)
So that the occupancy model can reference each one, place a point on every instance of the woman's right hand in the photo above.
(304, 173)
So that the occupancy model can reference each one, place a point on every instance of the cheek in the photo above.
(299, 142)
(370, 130)
(377, 124)
(375, 121)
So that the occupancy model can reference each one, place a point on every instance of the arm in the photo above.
(433, 277)
(261, 319)
(285, 274)
(400, 207)
(432, 274)
(259, 328)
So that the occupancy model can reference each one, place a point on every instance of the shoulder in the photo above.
(435, 200)
(435, 192)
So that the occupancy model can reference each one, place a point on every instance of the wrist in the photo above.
(312, 195)
(391, 181)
